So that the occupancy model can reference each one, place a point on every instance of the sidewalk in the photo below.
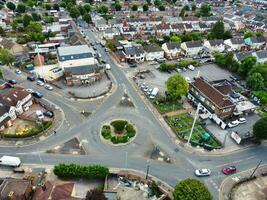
(243, 178)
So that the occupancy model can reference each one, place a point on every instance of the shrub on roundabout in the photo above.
(118, 132)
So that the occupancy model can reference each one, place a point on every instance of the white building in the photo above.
(171, 49)
(214, 45)
(153, 52)
(192, 47)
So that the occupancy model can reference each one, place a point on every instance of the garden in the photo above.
(182, 124)
(165, 105)
(118, 132)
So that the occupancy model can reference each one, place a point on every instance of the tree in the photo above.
(176, 39)
(26, 20)
(217, 30)
(182, 13)
(255, 81)
(134, 7)
(148, 2)
(205, 10)
(177, 86)
(87, 7)
(74, 12)
(191, 189)
(87, 18)
(111, 45)
(56, 7)
(154, 188)
(102, 9)
(48, 6)
(34, 27)
(260, 129)
(227, 35)
(2, 31)
(248, 34)
(21, 8)
(259, 33)
(1, 74)
(157, 3)
(145, 7)
(161, 7)
(246, 65)
(11, 6)
(193, 7)
(82, 10)
(186, 7)
(117, 6)
(6, 57)
(95, 194)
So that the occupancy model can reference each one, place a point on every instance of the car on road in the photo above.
(40, 83)
(19, 170)
(31, 78)
(202, 172)
(233, 124)
(37, 94)
(48, 114)
(48, 87)
(12, 82)
(30, 90)
(242, 120)
(229, 170)
(17, 71)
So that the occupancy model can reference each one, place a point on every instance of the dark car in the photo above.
(31, 78)
(229, 170)
(37, 94)
(48, 114)
(13, 82)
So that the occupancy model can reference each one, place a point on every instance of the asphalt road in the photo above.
(150, 133)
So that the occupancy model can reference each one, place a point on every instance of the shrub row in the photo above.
(79, 171)
(181, 64)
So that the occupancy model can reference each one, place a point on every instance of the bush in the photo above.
(182, 64)
(106, 132)
(79, 171)
(119, 125)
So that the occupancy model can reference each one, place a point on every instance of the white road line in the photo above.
(235, 162)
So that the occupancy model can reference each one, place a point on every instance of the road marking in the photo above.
(235, 162)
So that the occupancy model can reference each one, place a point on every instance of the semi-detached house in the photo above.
(192, 47)
(153, 52)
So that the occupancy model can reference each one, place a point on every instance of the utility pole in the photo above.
(39, 59)
(255, 169)
(193, 125)
(147, 168)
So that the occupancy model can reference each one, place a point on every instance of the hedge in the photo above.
(119, 125)
(106, 132)
(181, 64)
(80, 171)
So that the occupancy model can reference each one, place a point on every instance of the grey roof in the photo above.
(215, 42)
(237, 41)
(152, 48)
(3, 108)
(80, 70)
(133, 50)
(261, 54)
(173, 45)
(74, 52)
(193, 44)
(241, 55)
(258, 39)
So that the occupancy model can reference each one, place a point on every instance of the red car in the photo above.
(229, 170)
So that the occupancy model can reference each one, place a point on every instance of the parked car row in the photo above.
(34, 93)
(149, 91)
(236, 122)
(40, 115)
(207, 172)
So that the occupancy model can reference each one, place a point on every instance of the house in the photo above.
(234, 44)
(188, 27)
(82, 74)
(72, 56)
(261, 56)
(171, 49)
(101, 24)
(214, 45)
(13, 47)
(177, 28)
(15, 189)
(153, 52)
(192, 47)
(213, 99)
(109, 33)
(134, 53)
(255, 42)
(241, 55)
(163, 29)
(56, 190)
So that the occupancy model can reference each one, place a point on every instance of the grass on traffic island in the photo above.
(163, 105)
(118, 132)
(182, 124)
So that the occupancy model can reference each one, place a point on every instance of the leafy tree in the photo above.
(56, 6)
(145, 7)
(1, 74)
(82, 10)
(119, 125)
(191, 189)
(193, 7)
(74, 12)
(11, 6)
(63, 4)
(217, 30)
(95, 194)
(157, 3)
(262, 69)
(259, 33)
(26, 20)
(134, 7)
(111, 45)
(246, 65)
(34, 27)
(154, 188)
(6, 57)
(48, 6)
(248, 34)
(255, 81)
(182, 13)
(1, 6)
(186, 7)
(161, 7)
(260, 129)
(21, 8)
(176, 39)
(102, 9)
(87, 18)
(148, 2)
(177, 86)
(87, 7)
(205, 10)
(36, 17)
(2, 31)
(117, 6)
(227, 35)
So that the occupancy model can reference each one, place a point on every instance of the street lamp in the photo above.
(147, 168)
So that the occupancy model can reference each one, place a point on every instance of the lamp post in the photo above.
(147, 168)
(194, 122)
(255, 169)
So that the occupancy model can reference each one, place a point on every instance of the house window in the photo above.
(202, 98)
(213, 107)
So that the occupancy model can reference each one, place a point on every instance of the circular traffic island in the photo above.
(118, 132)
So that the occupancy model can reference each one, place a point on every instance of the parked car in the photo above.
(18, 170)
(17, 71)
(146, 89)
(40, 83)
(39, 114)
(12, 82)
(48, 87)
(242, 120)
(229, 170)
(143, 85)
(48, 114)
(184, 69)
(233, 124)
(37, 94)
(30, 90)
(191, 67)
(202, 172)
(10, 161)
(31, 78)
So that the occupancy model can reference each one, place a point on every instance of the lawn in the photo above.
(182, 125)
(165, 106)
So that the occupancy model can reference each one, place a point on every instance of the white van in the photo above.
(10, 161)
